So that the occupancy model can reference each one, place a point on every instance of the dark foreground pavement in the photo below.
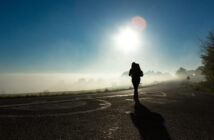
(165, 111)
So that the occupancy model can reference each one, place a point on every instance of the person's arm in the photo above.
(141, 73)
(130, 72)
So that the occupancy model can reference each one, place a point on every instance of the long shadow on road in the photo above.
(150, 124)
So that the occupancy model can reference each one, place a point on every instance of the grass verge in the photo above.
(199, 86)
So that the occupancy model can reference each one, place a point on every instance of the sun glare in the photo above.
(127, 40)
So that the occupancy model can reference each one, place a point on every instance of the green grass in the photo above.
(199, 86)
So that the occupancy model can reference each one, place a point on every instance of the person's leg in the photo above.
(136, 89)
(136, 84)
(133, 83)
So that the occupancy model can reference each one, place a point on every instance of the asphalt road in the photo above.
(165, 111)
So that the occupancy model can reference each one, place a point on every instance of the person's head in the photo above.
(137, 66)
(133, 65)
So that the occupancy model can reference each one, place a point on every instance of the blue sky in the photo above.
(72, 36)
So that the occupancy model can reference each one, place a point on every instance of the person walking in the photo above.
(135, 73)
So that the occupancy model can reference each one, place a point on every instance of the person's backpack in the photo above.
(141, 73)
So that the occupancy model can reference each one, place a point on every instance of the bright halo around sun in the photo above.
(127, 40)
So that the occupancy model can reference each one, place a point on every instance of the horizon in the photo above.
(100, 37)
(12, 83)
(106, 69)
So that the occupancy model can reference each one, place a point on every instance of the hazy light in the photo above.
(127, 40)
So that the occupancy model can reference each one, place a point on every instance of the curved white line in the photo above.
(106, 104)
(37, 103)
(164, 94)
(161, 92)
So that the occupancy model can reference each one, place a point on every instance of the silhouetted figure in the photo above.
(150, 124)
(135, 72)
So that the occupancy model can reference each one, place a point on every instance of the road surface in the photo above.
(165, 111)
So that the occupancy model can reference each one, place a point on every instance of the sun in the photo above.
(127, 40)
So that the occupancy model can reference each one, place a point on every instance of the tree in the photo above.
(208, 57)
(181, 72)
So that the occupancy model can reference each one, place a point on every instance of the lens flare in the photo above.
(139, 22)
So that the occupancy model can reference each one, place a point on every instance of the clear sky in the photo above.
(76, 36)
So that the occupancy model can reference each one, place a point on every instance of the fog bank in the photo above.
(35, 82)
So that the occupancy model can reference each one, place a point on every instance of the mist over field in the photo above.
(26, 83)
(50, 82)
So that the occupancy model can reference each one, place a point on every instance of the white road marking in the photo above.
(105, 104)
(127, 112)
(158, 100)
(151, 98)
(113, 96)
(160, 94)
(111, 131)
(37, 103)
